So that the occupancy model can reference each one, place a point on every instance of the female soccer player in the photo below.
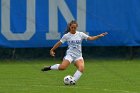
(73, 54)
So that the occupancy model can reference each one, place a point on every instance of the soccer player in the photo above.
(74, 53)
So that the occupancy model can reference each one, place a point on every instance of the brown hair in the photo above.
(69, 24)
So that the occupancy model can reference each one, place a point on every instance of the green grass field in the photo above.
(100, 76)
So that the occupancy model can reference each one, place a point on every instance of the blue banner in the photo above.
(41, 23)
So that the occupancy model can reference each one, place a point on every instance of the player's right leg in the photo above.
(65, 63)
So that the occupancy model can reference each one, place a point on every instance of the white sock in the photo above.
(77, 75)
(54, 67)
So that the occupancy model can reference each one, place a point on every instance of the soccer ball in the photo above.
(69, 80)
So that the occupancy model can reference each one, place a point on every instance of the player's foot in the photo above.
(46, 68)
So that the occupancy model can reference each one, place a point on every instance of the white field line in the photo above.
(71, 86)
(88, 88)
(120, 91)
(76, 87)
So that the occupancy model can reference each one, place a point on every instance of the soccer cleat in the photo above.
(46, 68)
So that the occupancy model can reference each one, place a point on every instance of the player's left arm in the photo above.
(97, 37)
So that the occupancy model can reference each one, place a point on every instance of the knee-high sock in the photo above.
(77, 75)
(54, 67)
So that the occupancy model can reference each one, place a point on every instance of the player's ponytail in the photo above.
(68, 26)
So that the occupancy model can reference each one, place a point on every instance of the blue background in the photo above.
(120, 18)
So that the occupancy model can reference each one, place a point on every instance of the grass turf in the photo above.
(100, 76)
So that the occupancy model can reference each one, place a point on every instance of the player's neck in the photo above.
(72, 32)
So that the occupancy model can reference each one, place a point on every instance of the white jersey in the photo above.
(74, 43)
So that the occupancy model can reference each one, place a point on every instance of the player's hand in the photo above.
(103, 34)
(52, 53)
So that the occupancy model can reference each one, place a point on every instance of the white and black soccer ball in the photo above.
(69, 80)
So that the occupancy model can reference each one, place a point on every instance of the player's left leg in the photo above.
(79, 63)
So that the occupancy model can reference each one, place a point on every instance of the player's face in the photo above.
(73, 28)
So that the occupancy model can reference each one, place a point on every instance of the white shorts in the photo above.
(72, 59)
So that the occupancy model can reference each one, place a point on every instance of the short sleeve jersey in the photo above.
(74, 42)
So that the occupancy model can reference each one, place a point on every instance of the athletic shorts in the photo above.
(71, 59)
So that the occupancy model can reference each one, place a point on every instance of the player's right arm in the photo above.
(62, 40)
(52, 53)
